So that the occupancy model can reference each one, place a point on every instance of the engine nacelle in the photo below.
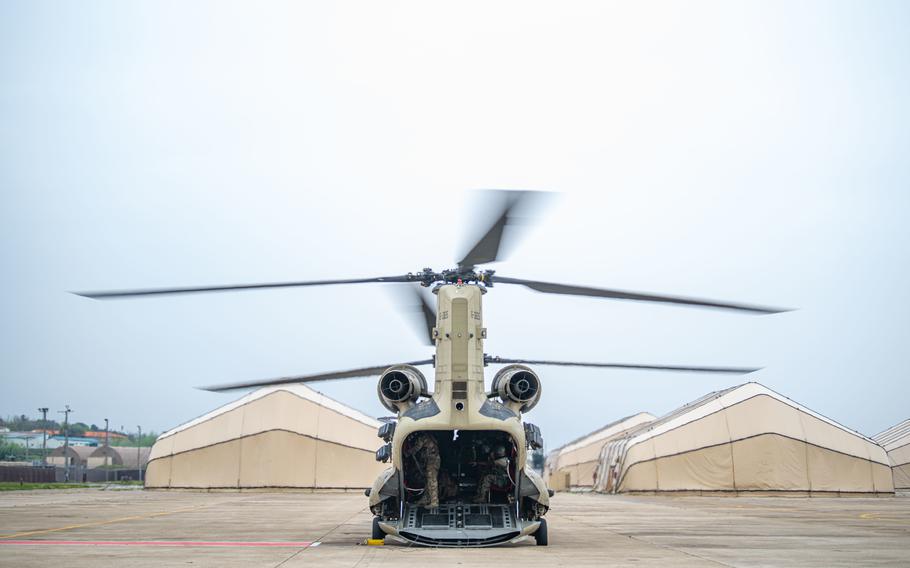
(400, 386)
(517, 386)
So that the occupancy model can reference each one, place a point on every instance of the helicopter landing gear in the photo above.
(377, 532)
(541, 535)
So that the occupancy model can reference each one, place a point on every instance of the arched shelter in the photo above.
(746, 438)
(282, 436)
(574, 465)
(896, 441)
(127, 457)
(75, 455)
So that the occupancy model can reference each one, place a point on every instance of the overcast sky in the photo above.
(755, 152)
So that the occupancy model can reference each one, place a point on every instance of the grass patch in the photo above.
(16, 486)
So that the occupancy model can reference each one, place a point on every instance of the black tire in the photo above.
(377, 532)
(541, 535)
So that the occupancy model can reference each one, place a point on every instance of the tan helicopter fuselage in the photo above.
(460, 402)
(459, 392)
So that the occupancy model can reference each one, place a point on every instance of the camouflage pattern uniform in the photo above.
(498, 475)
(447, 486)
(429, 464)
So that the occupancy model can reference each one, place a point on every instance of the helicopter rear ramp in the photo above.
(462, 525)
(288, 436)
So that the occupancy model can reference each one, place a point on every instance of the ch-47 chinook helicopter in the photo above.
(466, 420)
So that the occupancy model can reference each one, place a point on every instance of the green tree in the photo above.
(11, 452)
(78, 429)
(23, 423)
(148, 439)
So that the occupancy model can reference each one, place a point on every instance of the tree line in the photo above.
(23, 423)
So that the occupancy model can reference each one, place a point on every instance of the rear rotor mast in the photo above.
(429, 277)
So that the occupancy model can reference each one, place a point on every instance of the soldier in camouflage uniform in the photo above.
(498, 474)
(448, 488)
(425, 451)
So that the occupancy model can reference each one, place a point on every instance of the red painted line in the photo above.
(184, 543)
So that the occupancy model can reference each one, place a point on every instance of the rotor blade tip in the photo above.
(773, 311)
(214, 388)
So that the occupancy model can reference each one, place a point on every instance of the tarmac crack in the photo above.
(641, 540)
(322, 538)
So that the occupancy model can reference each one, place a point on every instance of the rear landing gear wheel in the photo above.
(541, 535)
(377, 532)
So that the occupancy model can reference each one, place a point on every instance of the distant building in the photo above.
(119, 456)
(99, 435)
(49, 432)
(60, 441)
(73, 455)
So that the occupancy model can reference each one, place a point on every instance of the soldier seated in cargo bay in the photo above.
(497, 476)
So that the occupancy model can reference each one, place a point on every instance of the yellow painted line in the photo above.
(101, 523)
(827, 515)
(756, 508)
(883, 517)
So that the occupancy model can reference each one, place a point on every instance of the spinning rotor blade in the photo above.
(167, 291)
(421, 314)
(683, 368)
(353, 373)
(428, 314)
(572, 290)
(487, 247)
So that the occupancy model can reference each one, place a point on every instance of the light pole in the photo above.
(66, 442)
(107, 449)
(43, 412)
(139, 453)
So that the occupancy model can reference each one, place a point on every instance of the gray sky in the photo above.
(743, 151)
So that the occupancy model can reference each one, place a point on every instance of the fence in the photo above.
(101, 475)
(27, 474)
(77, 474)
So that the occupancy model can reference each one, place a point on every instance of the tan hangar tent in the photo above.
(896, 441)
(746, 438)
(283, 436)
(574, 465)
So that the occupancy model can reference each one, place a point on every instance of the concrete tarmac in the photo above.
(95, 527)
